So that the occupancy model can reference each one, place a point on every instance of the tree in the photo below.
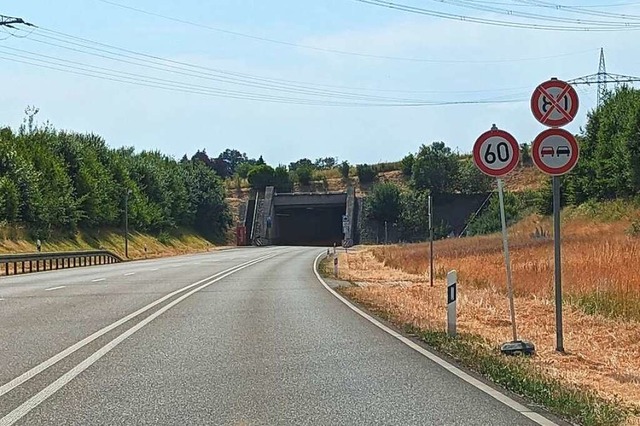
(261, 176)
(9, 200)
(383, 203)
(303, 162)
(304, 174)
(609, 165)
(282, 180)
(243, 169)
(489, 220)
(260, 162)
(471, 180)
(365, 173)
(344, 169)
(435, 169)
(525, 154)
(326, 163)
(232, 158)
(57, 180)
(407, 164)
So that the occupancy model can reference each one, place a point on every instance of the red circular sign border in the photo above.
(509, 167)
(574, 149)
(575, 103)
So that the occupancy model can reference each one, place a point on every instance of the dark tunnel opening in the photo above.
(309, 225)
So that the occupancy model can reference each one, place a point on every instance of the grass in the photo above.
(599, 257)
(14, 239)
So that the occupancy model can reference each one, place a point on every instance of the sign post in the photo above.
(452, 297)
(431, 240)
(496, 153)
(555, 152)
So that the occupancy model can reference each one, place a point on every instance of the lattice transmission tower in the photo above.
(602, 79)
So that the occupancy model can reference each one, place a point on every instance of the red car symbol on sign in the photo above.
(547, 150)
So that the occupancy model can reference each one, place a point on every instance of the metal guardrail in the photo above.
(24, 263)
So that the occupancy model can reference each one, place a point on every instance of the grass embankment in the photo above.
(16, 240)
(601, 287)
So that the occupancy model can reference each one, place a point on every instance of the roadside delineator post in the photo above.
(452, 296)
(335, 266)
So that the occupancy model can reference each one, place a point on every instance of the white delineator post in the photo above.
(335, 266)
(452, 296)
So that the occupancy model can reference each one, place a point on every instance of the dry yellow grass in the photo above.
(15, 240)
(602, 353)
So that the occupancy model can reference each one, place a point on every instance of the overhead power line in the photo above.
(479, 5)
(318, 48)
(500, 23)
(128, 56)
(269, 90)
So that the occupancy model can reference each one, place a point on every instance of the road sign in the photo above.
(554, 103)
(496, 152)
(555, 152)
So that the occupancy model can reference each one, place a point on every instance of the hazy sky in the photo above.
(459, 61)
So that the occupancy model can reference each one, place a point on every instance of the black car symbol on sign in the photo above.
(563, 150)
(547, 150)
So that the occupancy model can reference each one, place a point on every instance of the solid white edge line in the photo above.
(45, 393)
(7, 387)
(55, 288)
(506, 400)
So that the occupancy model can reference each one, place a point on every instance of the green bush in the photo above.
(344, 169)
(304, 174)
(407, 165)
(261, 176)
(365, 173)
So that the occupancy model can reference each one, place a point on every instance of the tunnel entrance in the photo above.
(309, 225)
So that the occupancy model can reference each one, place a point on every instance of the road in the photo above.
(170, 342)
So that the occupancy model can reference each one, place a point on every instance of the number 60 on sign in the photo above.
(496, 153)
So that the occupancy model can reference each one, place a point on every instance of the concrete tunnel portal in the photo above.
(308, 219)
(301, 219)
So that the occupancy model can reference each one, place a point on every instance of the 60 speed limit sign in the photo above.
(496, 152)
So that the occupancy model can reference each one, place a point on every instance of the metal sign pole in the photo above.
(430, 241)
(558, 263)
(507, 259)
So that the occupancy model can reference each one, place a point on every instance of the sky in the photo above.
(440, 61)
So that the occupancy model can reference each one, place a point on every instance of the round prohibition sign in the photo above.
(555, 152)
(496, 153)
(554, 103)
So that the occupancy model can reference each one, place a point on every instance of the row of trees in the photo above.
(58, 180)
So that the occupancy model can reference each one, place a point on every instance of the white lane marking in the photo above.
(45, 393)
(129, 274)
(1, 299)
(154, 269)
(55, 288)
(97, 280)
(511, 403)
(7, 387)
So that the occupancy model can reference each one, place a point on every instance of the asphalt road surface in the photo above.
(235, 337)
